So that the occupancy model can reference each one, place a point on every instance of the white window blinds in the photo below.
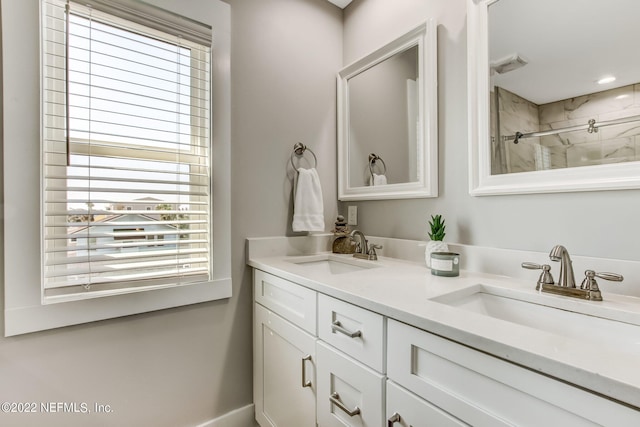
(125, 164)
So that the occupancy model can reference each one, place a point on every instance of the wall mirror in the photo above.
(387, 121)
(554, 95)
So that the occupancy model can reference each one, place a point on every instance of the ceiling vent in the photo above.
(509, 63)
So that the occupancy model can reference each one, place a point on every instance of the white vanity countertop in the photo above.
(403, 291)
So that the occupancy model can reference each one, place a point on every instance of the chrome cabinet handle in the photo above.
(335, 399)
(336, 326)
(304, 372)
(395, 418)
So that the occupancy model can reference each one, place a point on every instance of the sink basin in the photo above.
(332, 264)
(585, 321)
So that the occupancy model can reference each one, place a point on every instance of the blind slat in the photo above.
(122, 235)
(176, 223)
(54, 213)
(64, 260)
(122, 267)
(76, 201)
(123, 245)
(176, 275)
(106, 179)
(125, 191)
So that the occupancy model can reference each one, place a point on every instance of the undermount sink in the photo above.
(332, 264)
(585, 321)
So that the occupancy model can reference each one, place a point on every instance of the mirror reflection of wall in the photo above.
(545, 84)
(384, 119)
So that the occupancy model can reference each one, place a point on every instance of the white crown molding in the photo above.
(340, 3)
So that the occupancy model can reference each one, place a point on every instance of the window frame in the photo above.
(79, 18)
(24, 309)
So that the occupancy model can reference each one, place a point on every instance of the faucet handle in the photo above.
(545, 277)
(372, 251)
(590, 283)
(614, 277)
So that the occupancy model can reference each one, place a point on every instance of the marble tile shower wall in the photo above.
(516, 114)
(611, 144)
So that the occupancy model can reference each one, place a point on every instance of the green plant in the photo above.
(437, 228)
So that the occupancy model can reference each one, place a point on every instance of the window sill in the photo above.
(26, 319)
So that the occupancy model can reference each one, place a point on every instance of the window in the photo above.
(69, 208)
(126, 121)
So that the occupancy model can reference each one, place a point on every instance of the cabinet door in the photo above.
(284, 388)
(349, 393)
(405, 409)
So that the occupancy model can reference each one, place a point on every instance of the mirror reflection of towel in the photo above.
(378, 179)
(308, 210)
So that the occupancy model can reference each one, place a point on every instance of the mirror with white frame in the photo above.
(387, 121)
(542, 116)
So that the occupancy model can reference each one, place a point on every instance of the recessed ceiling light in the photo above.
(605, 80)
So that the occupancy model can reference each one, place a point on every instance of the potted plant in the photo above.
(436, 235)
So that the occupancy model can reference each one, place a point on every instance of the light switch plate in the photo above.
(352, 218)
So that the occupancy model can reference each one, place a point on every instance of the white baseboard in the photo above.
(241, 417)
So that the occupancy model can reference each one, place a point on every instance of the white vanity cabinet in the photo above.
(323, 361)
(284, 352)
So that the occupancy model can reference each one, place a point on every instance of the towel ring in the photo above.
(298, 150)
(373, 158)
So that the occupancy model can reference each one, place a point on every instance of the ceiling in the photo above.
(568, 44)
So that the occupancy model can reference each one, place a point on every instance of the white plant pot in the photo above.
(434, 246)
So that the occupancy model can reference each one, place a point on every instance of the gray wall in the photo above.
(184, 366)
(599, 224)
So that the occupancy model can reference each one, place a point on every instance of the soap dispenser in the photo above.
(343, 243)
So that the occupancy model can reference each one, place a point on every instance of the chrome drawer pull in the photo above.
(395, 418)
(304, 372)
(335, 399)
(337, 327)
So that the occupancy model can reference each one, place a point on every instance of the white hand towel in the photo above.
(378, 179)
(308, 210)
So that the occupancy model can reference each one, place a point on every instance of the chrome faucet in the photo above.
(363, 249)
(566, 278)
(566, 285)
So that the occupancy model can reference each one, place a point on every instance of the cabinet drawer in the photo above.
(483, 390)
(344, 386)
(354, 330)
(295, 303)
(405, 409)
